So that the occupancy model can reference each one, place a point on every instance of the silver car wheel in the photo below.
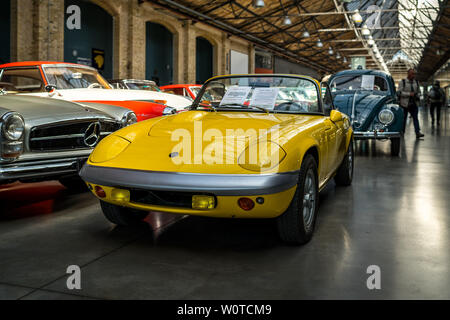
(309, 199)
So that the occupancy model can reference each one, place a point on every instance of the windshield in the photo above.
(73, 77)
(195, 90)
(261, 93)
(142, 85)
(373, 83)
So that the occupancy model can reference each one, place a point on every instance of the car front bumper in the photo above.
(38, 170)
(375, 135)
(277, 190)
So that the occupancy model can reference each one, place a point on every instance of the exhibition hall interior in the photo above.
(195, 150)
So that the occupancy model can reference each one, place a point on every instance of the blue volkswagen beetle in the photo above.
(368, 97)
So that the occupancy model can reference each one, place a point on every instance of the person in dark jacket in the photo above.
(436, 99)
(409, 94)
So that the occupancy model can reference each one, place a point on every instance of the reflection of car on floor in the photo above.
(189, 91)
(49, 139)
(368, 98)
(240, 152)
(80, 83)
(134, 84)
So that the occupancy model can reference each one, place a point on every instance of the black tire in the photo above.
(296, 224)
(74, 184)
(344, 174)
(122, 216)
(395, 147)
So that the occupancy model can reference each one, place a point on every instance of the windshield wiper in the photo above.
(245, 106)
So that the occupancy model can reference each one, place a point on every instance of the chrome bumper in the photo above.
(217, 184)
(376, 135)
(40, 169)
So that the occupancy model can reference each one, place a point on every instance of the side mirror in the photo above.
(50, 87)
(336, 116)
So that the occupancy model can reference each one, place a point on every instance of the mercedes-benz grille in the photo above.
(70, 135)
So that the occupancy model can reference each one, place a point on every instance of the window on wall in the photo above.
(92, 43)
(204, 60)
(159, 54)
(239, 62)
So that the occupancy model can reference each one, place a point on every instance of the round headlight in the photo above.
(13, 126)
(129, 119)
(386, 117)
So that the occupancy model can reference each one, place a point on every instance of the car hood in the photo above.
(37, 111)
(172, 100)
(367, 106)
(153, 141)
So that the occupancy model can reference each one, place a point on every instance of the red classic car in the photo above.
(186, 90)
(80, 83)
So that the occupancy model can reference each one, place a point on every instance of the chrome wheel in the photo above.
(309, 199)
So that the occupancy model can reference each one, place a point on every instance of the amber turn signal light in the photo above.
(246, 204)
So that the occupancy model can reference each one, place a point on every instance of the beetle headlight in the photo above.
(261, 156)
(129, 119)
(13, 126)
(386, 117)
(169, 110)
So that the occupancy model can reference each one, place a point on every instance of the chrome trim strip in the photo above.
(38, 167)
(66, 136)
(376, 135)
(218, 184)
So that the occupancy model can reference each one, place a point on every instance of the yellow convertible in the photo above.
(250, 146)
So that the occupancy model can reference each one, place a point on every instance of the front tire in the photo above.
(395, 147)
(344, 175)
(122, 216)
(296, 224)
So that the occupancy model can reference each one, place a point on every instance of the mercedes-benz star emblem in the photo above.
(92, 134)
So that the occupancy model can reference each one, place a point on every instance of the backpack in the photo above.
(435, 93)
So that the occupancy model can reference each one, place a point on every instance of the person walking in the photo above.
(409, 94)
(436, 99)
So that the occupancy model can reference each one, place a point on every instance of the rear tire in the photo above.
(296, 224)
(344, 175)
(122, 216)
(395, 147)
(74, 184)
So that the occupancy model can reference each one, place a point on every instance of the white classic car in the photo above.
(81, 83)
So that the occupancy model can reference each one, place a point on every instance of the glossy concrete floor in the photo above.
(395, 215)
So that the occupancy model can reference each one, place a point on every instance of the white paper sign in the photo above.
(264, 97)
(368, 82)
(235, 95)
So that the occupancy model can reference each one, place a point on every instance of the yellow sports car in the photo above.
(251, 146)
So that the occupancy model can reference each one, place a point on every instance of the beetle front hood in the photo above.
(367, 106)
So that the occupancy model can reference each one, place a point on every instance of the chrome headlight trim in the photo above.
(16, 121)
(128, 119)
(169, 110)
(386, 117)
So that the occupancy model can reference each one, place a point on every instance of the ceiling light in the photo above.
(370, 42)
(319, 43)
(258, 3)
(330, 51)
(438, 52)
(305, 34)
(345, 60)
(287, 21)
(365, 31)
(338, 56)
(356, 17)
